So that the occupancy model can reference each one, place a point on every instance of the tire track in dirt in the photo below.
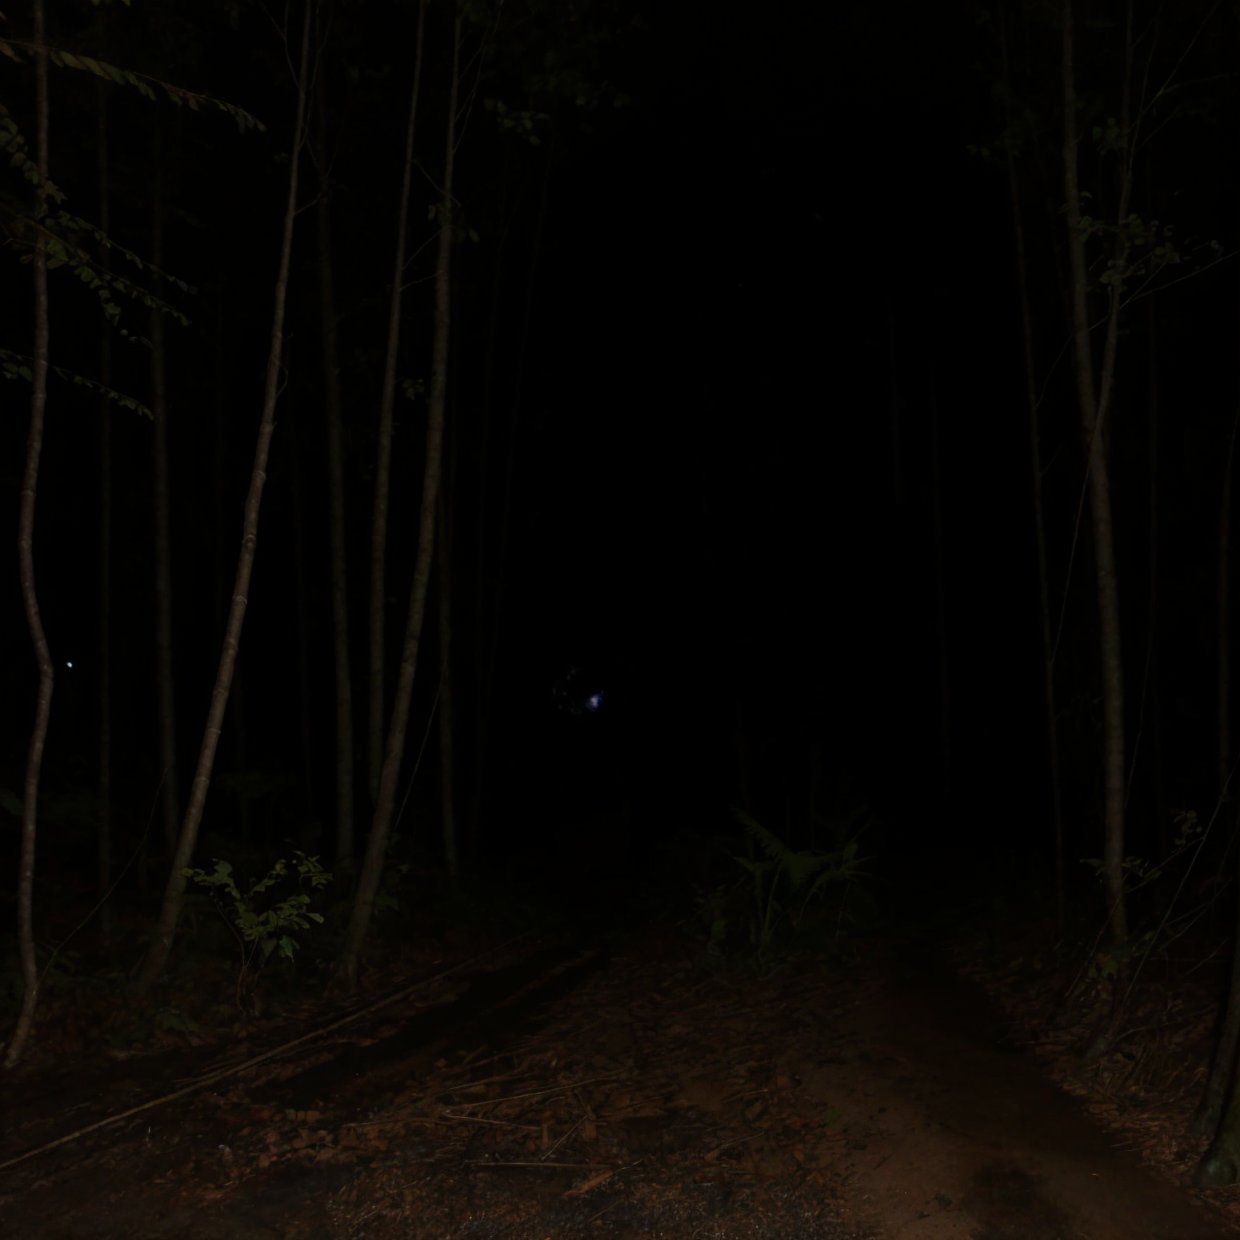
(953, 1135)
(128, 1181)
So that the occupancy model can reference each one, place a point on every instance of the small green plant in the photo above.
(262, 932)
(781, 886)
(1111, 966)
(1138, 872)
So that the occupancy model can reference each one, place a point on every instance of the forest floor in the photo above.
(547, 1088)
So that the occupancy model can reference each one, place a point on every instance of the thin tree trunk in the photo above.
(103, 820)
(940, 599)
(303, 608)
(170, 800)
(25, 554)
(346, 859)
(301, 629)
(170, 912)
(1223, 1160)
(1222, 1070)
(383, 447)
(1224, 619)
(220, 566)
(447, 705)
(895, 405)
(1094, 404)
(241, 754)
(385, 805)
(1153, 693)
(1221, 1163)
(1049, 705)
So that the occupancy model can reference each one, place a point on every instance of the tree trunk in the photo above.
(303, 609)
(221, 568)
(447, 706)
(346, 860)
(1094, 404)
(385, 804)
(1223, 1159)
(941, 610)
(170, 911)
(1221, 1164)
(1226, 1147)
(383, 446)
(25, 554)
(103, 785)
(1225, 755)
(1152, 707)
(170, 800)
(1049, 705)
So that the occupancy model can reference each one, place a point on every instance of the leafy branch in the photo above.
(148, 87)
(17, 366)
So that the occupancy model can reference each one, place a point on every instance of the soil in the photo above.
(558, 1089)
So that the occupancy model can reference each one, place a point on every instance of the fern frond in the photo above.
(768, 841)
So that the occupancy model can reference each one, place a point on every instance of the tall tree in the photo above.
(1223, 701)
(383, 443)
(165, 694)
(385, 804)
(302, 610)
(1095, 393)
(1032, 416)
(174, 893)
(25, 553)
(103, 786)
(447, 692)
(1218, 1114)
(345, 860)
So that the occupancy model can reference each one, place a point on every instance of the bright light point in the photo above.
(594, 701)
(69, 665)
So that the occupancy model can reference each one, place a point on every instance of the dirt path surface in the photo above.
(568, 1094)
(959, 1135)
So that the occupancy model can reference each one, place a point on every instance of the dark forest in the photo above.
(549, 537)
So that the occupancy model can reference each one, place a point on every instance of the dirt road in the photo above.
(959, 1136)
(645, 1096)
